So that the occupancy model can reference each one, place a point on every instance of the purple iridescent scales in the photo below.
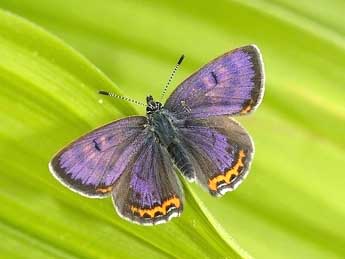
(212, 144)
(229, 85)
(149, 191)
(220, 151)
(143, 180)
(95, 161)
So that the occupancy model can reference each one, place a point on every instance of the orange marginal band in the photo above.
(234, 171)
(104, 190)
(173, 201)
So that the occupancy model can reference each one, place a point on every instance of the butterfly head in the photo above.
(152, 106)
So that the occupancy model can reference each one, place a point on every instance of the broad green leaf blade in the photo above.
(49, 96)
(291, 205)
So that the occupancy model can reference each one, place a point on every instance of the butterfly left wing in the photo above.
(91, 164)
(219, 150)
(232, 84)
(149, 191)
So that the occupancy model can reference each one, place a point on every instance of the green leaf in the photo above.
(49, 97)
(292, 203)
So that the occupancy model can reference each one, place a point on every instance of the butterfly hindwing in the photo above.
(232, 84)
(91, 164)
(149, 191)
(220, 152)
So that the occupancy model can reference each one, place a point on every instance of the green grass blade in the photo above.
(49, 96)
(292, 203)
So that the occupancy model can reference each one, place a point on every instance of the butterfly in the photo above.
(135, 159)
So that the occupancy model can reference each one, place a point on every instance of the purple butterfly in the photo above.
(134, 159)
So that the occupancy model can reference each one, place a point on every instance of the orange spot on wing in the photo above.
(104, 190)
(173, 201)
(234, 171)
(248, 107)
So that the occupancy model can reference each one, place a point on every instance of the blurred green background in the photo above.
(55, 55)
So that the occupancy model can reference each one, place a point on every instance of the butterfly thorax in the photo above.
(162, 124)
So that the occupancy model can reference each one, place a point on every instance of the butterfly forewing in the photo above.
(232, 84)
(91, 164)
(149, 191)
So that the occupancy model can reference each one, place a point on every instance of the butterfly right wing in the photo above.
(91, 164)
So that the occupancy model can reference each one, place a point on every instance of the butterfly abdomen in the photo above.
(181, 160)
(168, 136)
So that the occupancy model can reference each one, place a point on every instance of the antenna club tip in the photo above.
(180, 60)
(103, 92)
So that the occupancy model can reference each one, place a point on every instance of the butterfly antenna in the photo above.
(121, 97)
(171, 76)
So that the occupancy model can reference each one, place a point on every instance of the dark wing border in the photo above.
(259, 80)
